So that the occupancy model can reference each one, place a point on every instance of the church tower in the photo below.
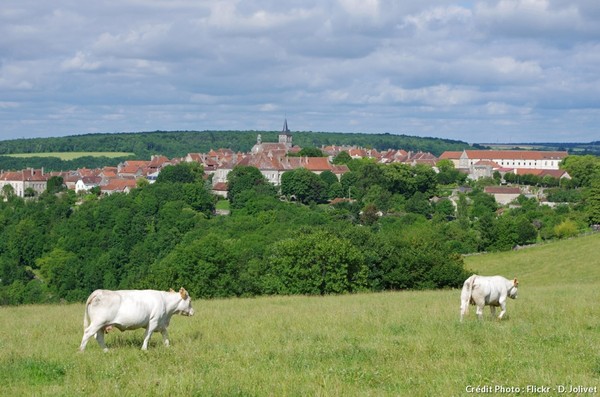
(285, 136)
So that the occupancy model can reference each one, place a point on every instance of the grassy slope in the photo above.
(569, 261)
(402, 343)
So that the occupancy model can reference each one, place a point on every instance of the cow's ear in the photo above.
(183, 293)
(516, 282)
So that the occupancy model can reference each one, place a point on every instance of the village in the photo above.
(275, 158)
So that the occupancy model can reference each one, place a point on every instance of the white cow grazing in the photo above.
(491, 291)
(132, 309)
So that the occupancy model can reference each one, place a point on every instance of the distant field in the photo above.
(408, 343)
(71, 155)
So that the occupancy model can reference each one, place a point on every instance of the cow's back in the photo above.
(103, 305)
(491, 289)
(126, 309)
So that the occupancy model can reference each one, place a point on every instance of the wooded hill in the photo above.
(180, 143)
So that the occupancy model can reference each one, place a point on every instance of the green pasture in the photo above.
(71, 155)
(407, 343)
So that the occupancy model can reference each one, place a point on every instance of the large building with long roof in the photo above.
(506, 158)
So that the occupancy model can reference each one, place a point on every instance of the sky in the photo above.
(498, 71)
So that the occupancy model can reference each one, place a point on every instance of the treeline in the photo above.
(164, 235)
(180, 143)
(578, 148)
(396, 230)
(57, 164)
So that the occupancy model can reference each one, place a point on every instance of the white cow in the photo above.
(132, 309)
(491, 291)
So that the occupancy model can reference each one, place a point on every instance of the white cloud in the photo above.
(80, 62)
(433, 67)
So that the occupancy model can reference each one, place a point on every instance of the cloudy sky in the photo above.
(479, 71)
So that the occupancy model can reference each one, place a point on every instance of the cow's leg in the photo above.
(503, 306)
(100, 339)
(480, 311)
(90, 331)
(493, 310)
(148, 334)
(165, 336)
(464, 309)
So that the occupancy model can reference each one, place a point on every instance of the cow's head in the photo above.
(185, 306)
(512, 292)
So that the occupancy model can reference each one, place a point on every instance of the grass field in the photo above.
(408, 343)
(71, 155)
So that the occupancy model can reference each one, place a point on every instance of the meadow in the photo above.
(72, 155)
(405, 343)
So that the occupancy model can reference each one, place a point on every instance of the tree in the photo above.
(425, 179)
(583, 169)
(311, 152)
(566, 229)
(29, 192)
(199, 198)
(444, 208)
(369, 215)
(420, 258)
(483, 204)
(243, 178)
(60, 270)
(315, 263)
(342, 158)
(370, 173)
(305, 185)
(593, 201)
(349, 181)
(182, 173)
(55, 184)
(8, 191)
(419, 204)
(399, 178)
(377, 196)
(448, 173)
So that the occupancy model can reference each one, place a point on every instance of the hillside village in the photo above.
(272, 159)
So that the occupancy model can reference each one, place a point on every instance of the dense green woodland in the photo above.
(60, 246)
(180, 143)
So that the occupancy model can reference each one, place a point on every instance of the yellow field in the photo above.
(72, 155)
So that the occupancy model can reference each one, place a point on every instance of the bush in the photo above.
(566, 229)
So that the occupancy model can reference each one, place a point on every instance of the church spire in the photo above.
(285, 126)
(285, 136)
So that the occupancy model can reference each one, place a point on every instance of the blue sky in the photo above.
(477, 71)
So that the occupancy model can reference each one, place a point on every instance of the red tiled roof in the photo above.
(515, 154)
(27, 174)
(450, 155)
(317, 164)
(221, 186)
(119, 185)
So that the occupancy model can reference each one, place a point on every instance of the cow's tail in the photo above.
(466, 295)
(86, 314)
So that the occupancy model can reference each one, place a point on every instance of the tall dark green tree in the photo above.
(305, 185)
(243, 178)
(181, 173)
(55, 184)
(593, 201)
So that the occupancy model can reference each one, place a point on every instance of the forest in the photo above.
(180, 143)
(392, 227)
